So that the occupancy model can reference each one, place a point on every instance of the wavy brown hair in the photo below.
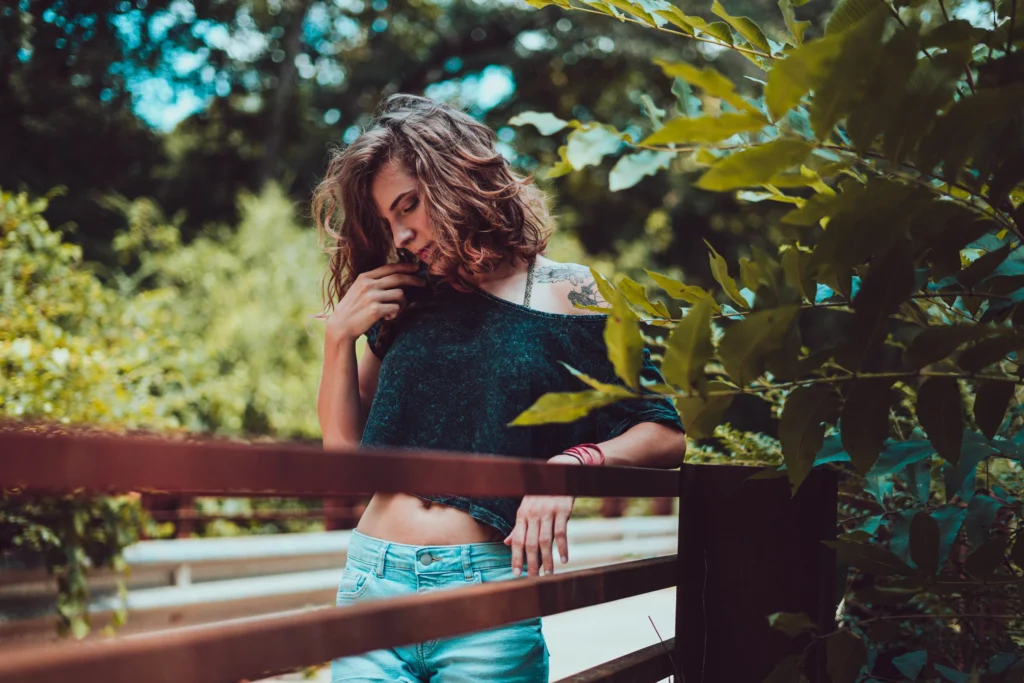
(481, 211)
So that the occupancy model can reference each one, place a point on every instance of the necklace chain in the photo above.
(529, 284)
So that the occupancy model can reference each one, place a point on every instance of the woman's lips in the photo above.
(423, 253)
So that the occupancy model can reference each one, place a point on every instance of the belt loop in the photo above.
(467, 562)
(380, 559)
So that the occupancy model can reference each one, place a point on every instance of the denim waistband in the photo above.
(376, 554)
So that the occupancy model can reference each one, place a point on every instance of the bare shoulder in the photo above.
(568, 285)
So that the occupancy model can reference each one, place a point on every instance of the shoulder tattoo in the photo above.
(583, 290)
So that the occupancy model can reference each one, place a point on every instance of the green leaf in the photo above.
(705, 129)
(924, 543)
(744, 26)
(802, 428)
(893, 69)
(791, 623)
(910, 664)
(930, 88)
(983, 266)
(795, 265)
(609, 389)
(746, 343)
(869, 558)
(675, 16)
(541, 4)
(720, 30)
(604, 288)
(563, 167)
(631, 168)
(983, 562)
(720, 270)
(563, 407)
(710, 81)
(689, 348)
(990, 405)
(754, 165)
(802, 70)
(682, 292)
(849, 13)
(940, 412)
(846, 655)
(989, 351)
(700, 415)
(865, 420)
(547, 124)
(637, 295)
(936, 343)
(587, 146)
(625, 345)
(787, 670)
(797, 29)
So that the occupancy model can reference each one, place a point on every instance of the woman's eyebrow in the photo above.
(398, 199)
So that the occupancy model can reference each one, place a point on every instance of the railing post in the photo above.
(748, 549)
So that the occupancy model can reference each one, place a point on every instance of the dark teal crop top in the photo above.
(462, 365)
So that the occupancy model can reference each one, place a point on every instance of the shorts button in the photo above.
(426, 559)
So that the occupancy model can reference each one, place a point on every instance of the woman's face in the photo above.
(397, 196)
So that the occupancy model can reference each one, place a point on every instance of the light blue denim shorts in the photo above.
(515, 653)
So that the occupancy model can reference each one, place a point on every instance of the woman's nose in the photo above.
(403, 236)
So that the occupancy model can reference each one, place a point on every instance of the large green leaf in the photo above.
(797, 29)
(746, 344)
(632, 168)
(924, 543)
(541, 4)
(982, 562)
(743, 26)
(940, 412)
(677, 18)
(689, 348)
(547, 124)
(895, 64)
(990, 405)
(848, 81)
(705, 129)
(989, 351)
(720, 271)
(849, 13)
(929, 89)
(637, 295)
(869, 558)
(603, 387)
(791, 623)
(563, 407)
(938, 342)
(846, 655)
(710, 81)
(802, 428)
(865, 420)
(625, 345)
(795, 265)
(587, 146)
(802, 70)
(754, 165)
(700, 415)
(683, 292)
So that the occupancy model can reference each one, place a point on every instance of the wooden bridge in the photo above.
(746, 549)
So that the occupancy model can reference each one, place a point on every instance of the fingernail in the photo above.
(516, 571)
(564, 559)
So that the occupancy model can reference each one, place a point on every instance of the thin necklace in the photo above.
(529, 284)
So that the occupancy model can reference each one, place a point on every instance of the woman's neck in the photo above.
(507, 270)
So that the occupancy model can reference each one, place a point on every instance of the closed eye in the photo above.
(412, 205)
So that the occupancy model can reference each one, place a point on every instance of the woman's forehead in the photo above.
(391, 181)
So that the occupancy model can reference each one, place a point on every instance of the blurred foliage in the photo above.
(883, 334)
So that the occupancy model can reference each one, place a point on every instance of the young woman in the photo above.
(462, 338)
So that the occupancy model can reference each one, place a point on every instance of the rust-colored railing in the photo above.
(746, 549)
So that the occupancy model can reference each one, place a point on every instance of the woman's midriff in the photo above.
(403, 518)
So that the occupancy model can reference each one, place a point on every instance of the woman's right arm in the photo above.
(347, 387)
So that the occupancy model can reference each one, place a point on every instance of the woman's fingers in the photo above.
(400, 280)
(518, 537)
(532, 548)
(545, 537)
(561, 539)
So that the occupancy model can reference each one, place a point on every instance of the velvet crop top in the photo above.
(462, 365)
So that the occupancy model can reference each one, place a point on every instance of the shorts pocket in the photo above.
(354, 582)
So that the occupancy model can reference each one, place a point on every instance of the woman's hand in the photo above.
(540, 521)
(374, 295)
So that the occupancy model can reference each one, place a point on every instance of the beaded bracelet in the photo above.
(586, 453)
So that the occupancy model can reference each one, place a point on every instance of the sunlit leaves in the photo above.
(802, 429)
(683, 292)
(591, 143)
(547, 124)
(720, 271)
(625, 346)
(710, 81)
(688, 348)
(801, 70)
(637, 295)
(848, 13)
(940, 410)
(563, 407)
(754, 165)
(748, 342)
(541, 4)
(630, 169)
(797, 29)
(705, 129)
(750, 31)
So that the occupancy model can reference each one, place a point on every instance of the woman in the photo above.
(460, 342)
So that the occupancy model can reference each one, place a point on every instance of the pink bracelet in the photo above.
(586, 453)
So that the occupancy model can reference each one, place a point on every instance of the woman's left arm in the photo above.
(542, 520)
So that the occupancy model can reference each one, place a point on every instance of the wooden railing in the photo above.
(746, 549)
